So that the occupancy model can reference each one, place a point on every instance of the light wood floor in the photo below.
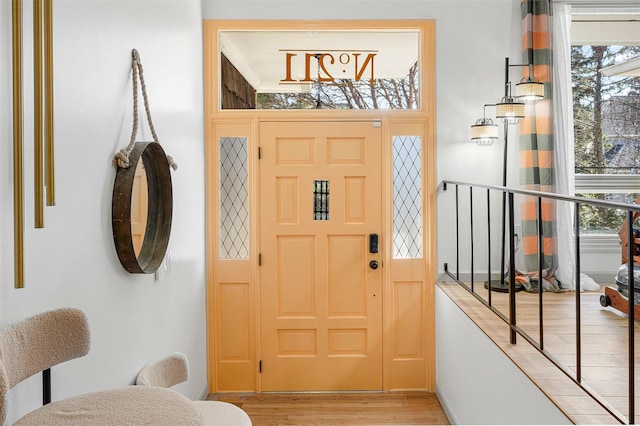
(604, 347)
(397, 408)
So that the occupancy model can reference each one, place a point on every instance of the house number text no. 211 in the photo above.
(330, 65)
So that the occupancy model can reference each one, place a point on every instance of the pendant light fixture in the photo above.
(484, 132)
(509, 110)
(529, 90)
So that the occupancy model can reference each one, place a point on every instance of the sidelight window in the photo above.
(234, 198)
(407, 197)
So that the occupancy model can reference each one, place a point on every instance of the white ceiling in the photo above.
(261, 56)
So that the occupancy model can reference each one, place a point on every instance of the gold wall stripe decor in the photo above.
(48, 92)
(43, 122)
(18, 207)
(38, 143)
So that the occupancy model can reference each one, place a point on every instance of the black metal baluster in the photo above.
(457, 238)
(540, 266)
(577, 290)
(631, 294)
(489, 247)
(512, 273)
(471, 231)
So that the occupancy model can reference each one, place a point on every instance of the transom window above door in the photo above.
(319, 69)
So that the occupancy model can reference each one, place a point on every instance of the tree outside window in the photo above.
(606, 129)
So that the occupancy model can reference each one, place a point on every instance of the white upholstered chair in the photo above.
(38, 343)
(174, 369)
(44, 340)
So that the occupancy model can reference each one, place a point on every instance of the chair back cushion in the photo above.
(41, 341)
(165, 372)
(4, 391)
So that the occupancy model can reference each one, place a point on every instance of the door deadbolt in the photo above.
(373, 264)
(373, 243)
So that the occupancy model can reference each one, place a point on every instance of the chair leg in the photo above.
(46, 386)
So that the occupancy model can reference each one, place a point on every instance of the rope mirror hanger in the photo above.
(160, 197)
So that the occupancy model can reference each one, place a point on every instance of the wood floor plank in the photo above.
(368, 408)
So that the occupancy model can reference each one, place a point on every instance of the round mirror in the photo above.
(159, 207)
(139, 207)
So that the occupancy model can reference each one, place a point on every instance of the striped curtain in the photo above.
(537, 142)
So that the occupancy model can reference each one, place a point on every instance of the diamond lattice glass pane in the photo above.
(407, 197)
(234, 198)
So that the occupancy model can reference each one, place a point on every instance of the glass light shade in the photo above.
(529, 91)
(484, 132)
(510, 111)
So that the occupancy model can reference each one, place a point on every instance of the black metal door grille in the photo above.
(320, 200)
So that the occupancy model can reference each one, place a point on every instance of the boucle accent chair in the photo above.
(165, 372)
(38, 343)
(174, 369)
(42, 341)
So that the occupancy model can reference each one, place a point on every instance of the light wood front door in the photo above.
(321, 299)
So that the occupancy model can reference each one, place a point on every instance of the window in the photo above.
(320, 200)
(320, 69)
(605, 72)
(407, 197)
(234, 198)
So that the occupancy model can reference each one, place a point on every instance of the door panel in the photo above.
(321, 303)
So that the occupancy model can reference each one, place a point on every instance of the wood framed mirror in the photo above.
(144, 259)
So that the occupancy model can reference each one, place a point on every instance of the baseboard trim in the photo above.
(444, 403)
(205, 392)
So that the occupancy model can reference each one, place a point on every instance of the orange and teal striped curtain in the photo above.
(536, 139)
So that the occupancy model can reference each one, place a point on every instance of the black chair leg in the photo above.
(46, 386)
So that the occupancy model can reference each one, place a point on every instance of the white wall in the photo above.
(466, 82)
(476, 382)
(72, 262)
